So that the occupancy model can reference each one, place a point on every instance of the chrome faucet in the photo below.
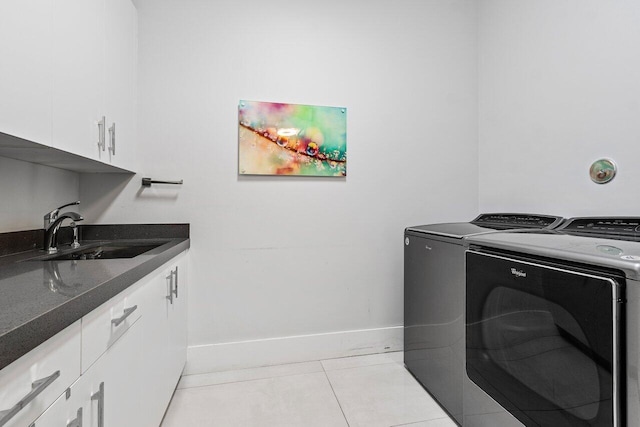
(52, 222)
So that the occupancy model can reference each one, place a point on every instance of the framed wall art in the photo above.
(291, 139)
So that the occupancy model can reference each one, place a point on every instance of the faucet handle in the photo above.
(51, 216)
(69, 204)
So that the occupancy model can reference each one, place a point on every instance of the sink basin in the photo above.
(106, 251)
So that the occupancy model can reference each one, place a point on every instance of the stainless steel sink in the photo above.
(105, 251)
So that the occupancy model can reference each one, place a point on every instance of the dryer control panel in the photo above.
(504, 221)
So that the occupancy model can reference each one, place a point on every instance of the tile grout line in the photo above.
(323, 369)
(421, 421)
(334, 394)
(362, 366)
(249, 380)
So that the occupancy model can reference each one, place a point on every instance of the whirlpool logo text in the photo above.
(518, 273)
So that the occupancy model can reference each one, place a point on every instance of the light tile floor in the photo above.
(361, 391)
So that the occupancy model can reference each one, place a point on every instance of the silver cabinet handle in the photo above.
(176, 281)
(37, 387)
(127, 312)
(112, 138)
(99, 396)
(170, 296)
(78, 421)
(101, 125)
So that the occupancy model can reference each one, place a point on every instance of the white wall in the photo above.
(28, 191)
(559, 87)
(545, 86)
(282, 256)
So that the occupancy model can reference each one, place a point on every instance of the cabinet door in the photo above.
(121, 80)
(78, 76)
(121, 370)
(165, 338)
(178, 323)
(25, 69)
(155, 322)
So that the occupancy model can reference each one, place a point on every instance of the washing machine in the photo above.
(552, 326)
(434, 300)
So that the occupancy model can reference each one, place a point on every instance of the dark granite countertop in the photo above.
(40, 298)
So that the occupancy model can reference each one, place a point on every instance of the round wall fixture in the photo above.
(603, 171)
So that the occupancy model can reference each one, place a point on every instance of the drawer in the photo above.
(59, 413)
(44, 374)
(106, 324)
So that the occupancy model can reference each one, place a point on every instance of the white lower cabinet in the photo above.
(107, 394)
(165, 322)
(131, 360)
(30, 384)
(67, 411)
(177, 328)
(105, 325)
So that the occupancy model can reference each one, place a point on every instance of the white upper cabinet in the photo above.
(78, 76)
(94, 79)
(25, 69)
(68, 80)
(121, 52)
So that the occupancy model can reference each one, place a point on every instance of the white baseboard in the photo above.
(301, 348)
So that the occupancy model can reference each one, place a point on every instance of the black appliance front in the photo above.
(544, 341)
(433, 318)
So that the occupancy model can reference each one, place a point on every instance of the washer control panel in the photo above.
(614, 227)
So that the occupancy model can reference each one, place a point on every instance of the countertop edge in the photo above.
(19, 341)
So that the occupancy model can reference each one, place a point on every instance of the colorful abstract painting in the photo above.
(291, 139)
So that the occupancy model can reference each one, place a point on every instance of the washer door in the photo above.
(542, 340)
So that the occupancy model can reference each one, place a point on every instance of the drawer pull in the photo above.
(99, 396)
(38, 387)
(78, 421)
(127, 312)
